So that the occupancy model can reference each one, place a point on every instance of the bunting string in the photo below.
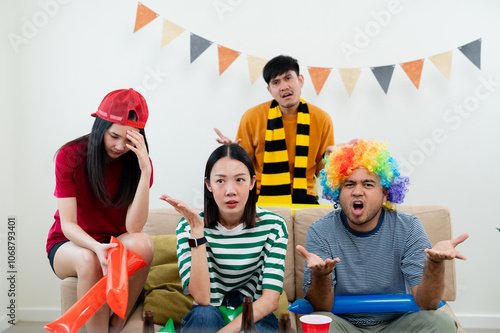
(319, 75)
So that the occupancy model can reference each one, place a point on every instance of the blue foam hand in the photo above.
(363, 303)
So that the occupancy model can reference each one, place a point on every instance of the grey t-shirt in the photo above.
(386, 260)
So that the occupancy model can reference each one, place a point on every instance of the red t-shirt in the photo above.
(98, 220)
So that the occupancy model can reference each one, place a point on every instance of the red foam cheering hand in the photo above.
(81, 311)
(117, 282)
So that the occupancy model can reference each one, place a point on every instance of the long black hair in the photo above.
(96, 165)
(211, 210)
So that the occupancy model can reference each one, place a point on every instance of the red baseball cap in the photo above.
(116, 106)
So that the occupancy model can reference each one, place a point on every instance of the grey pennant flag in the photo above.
(198, 46)
(383, 74)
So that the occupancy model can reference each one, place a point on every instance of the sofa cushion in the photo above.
(163, 290)
(161, 221)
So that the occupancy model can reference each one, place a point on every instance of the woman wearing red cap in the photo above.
(102, 189)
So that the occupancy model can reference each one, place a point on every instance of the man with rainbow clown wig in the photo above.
(369, 248)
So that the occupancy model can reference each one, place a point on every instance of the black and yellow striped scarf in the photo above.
(275, 181)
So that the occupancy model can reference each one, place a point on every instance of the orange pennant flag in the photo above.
(255, 66)
(318, 77)
(443, 62)
(349, 78)
(170, 32)
(144, 16)
(226, 58)
(414, 70)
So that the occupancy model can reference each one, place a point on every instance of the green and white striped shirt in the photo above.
(243, 259)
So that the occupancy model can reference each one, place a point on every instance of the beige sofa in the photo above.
(436, 220)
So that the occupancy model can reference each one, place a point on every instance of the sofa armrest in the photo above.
(68, 293)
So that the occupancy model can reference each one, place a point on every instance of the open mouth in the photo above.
(286, 95)
(357, 206)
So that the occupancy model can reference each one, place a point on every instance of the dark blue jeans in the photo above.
(210, 319)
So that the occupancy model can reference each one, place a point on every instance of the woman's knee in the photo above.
(269, 323)
(140, 243)
(203, 318)
(73, 260)
(87, 265)
(202, 311)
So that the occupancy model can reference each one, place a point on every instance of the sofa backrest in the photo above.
(437, 223)
(435, 219)
(161, 221)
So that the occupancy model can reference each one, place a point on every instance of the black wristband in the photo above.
(195, 242)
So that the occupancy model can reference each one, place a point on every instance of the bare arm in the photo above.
(72, 231)
(199, 279)
(137, 213)
(431, 287)
(320, 293)
(262, 307)
(222, 139)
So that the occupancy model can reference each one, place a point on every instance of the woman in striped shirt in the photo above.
(231, 249)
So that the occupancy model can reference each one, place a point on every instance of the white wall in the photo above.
(65, 66)
(9, 204)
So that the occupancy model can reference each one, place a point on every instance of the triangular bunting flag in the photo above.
(144, 16)
(473, 52)
(442, 62)
(318, 77)
(349, 78)
(226, 57)
(198, 46)
(414, 70)
(170, 32)
(383, 74)
(255, 66)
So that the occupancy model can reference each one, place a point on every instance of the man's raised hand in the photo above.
(445, 250)
(319, 266)
(222, 139)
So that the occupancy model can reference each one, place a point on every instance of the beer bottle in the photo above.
(247, 324)
(148, 326)
(285, 323)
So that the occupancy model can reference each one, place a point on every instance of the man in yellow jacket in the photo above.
(285, 137)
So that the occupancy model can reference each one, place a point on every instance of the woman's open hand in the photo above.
(190, 214)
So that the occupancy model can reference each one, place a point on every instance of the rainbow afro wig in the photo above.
(371, 155)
